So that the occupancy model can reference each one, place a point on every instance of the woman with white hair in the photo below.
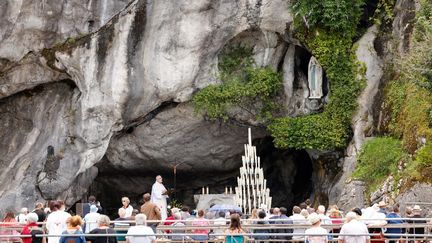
(32, 229)
(127, 207)
(103, 228)
(140, 228)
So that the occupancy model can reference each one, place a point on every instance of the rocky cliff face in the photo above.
(95, 94)
(130, 73)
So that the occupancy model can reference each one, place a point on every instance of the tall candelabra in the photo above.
(252, 190)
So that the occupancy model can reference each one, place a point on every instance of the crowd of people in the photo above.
(305, 223)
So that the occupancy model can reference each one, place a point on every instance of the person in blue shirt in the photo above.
(393, 217)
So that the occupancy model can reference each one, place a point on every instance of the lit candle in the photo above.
(231, 191)
(226, 190)
(203, 191)
(207, 190)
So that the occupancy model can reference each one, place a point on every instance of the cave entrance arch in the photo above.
(289, 173)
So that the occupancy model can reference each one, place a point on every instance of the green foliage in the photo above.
(384, 11)
(338, 16)
(174, 203)
(416, 65)
(243, 86)
(329, 129)
(408, 98)
(421, 168)
(377, 159)
(235, 60)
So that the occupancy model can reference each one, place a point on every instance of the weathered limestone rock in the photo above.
(30, 122)
(31, 25)
(29, 72)
(419, 194)
(362, 121)
(149, 55)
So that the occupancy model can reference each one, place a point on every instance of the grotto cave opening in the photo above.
(289, 175)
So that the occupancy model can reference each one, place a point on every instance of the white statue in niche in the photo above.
(315, 79)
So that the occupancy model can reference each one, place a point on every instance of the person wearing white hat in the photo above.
(415, 220)
(316, 233)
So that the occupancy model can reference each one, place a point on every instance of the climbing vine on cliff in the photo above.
(407, 102)
(244, 86)
(327, 28)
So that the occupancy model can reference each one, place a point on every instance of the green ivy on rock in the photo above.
(327, 31)
(329, 37)
(243, 85)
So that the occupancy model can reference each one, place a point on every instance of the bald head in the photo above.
(146, 197)
(276, 211)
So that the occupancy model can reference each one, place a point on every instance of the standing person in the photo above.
(126, 206)
(74, 227)
(91, 219)
(416, 214)
(354, 227)
(393, 217)
(159, 197)
(321, 210)
(336, 218)
(200, 221)
(286, 220)
(316, 233)
(56, 221)
(32, 229)
(9, 222)
(140, 228)
(91, 201)
(39, 210)
(235, 231)
(22, 217)
(118, 224)
(103, 228)
(298, 219)
(151, 210)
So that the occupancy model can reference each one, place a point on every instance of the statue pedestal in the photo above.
(204, 201)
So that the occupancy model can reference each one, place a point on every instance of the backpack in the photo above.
(36, 231)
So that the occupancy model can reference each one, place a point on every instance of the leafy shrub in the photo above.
(331, 128)
(335, 15)
(421, 168)
(408, 98)
(378, 158)
(243, 86)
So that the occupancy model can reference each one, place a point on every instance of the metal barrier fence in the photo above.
(186, 235)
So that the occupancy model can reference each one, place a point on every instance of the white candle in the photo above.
(207, 190)
(203, 191)
(250, 136)
(226, 190)
(231, 191)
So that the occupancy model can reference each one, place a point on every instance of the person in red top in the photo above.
(336, 218)
(169, 220)
(31, 229)
(201, 234)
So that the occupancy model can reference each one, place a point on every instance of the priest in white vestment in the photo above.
(159, 197)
